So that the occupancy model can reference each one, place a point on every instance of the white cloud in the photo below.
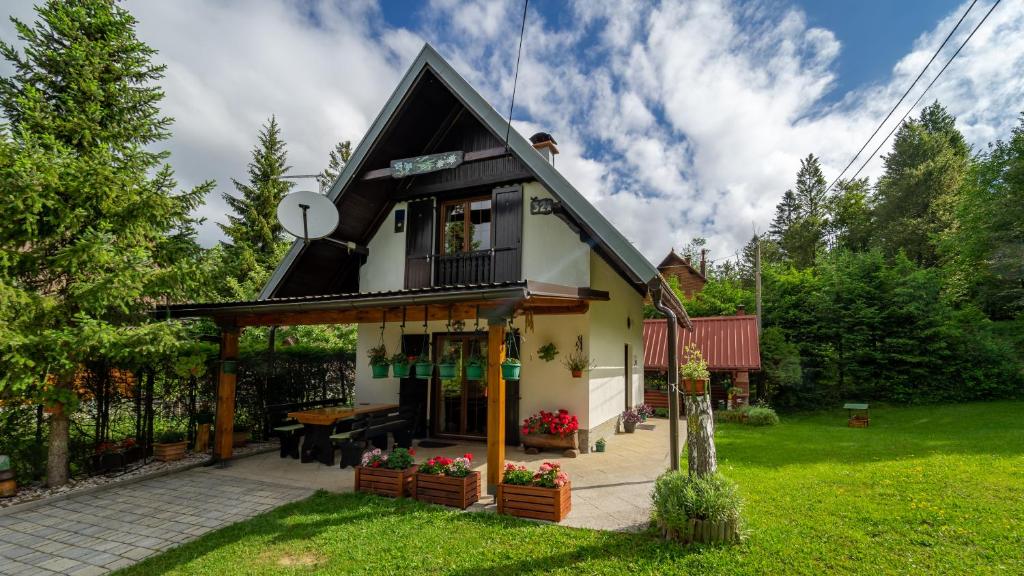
(678, 119)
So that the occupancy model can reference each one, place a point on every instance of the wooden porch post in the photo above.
(225, 423)
(495, 403)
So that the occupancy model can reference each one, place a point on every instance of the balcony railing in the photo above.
(463, 268)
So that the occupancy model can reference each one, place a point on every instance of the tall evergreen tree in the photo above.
(917, 192)
(93, 231)
(851, 221)
(800, 218)
(338, 157)
(786, 212)
(254, 224)
(810, 189)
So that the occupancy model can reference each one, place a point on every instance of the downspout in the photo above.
(672, 377)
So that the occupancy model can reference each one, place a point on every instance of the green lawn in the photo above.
(937, 489)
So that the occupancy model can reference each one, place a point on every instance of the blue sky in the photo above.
(676, 118)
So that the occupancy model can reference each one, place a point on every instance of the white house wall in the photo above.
(549, 385)
(551, 251)
(385, 265)
(613, 324)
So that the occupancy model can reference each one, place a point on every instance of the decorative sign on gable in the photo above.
(424, 164)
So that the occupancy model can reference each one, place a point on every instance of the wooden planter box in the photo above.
(386, 482)
(448, 491)
(569, 445)
(239, 439)
(704, 532)
(551, 504)
(169, 452)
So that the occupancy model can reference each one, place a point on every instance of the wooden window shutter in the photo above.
(419, 243)
(507, 217)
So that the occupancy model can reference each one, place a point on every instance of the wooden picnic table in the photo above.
(320, 422)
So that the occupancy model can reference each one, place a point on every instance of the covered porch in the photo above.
(495, 305)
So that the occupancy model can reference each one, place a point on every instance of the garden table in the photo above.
(320, 422)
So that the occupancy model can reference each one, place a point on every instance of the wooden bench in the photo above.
(289, 430)
(373, 428)
(860, 416)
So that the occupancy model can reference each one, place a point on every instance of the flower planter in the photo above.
(703, 531)
(552, 504)
(446, 371)
(386, 482)
(695, 387)
(170, 451)
(379, 370)
(474, 372)
(8, 485)
(510, 371)
(239, 438)
(629, 427)
(577, 373)
(448, 491)
(569, 444)
(424, 370)
(400, 370)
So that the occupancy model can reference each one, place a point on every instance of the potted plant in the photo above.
(547, 352)
(551, 430)
(446, 367)
(510, 368)
(204, 419)
(694, 372)
(387, 474)
(542, 495)
(645, 412)
(378, 360)
(577, 362)
(448, 481)
(170, 445)
(400, 365)
(599, 446)
(630, 418)
(240, 434)
(692, 508)
(8, 484)
(423, 366)
(475, 367)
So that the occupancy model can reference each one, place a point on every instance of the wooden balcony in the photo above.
(463, 268)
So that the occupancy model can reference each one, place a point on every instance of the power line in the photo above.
(900, 101)
(930, 84)
(515, 79)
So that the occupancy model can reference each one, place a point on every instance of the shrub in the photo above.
(661, 412)
(761, 416)
(170, 436)
(678, 497)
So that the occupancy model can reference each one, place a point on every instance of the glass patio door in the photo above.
(461, 403)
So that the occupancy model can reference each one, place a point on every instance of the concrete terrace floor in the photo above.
(100, 531)
(610, 490)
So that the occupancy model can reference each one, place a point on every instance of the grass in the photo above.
(929, 490)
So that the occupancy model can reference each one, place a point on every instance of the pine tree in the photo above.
(93, 232)
(338, 157)
(786, 212)
(920, 185)
(810, 188)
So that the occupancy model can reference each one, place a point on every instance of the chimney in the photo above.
(703, 261)
(741, 310)
(546, 145)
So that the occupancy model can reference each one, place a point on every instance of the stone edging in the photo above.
(32, 504)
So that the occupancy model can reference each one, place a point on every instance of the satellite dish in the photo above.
(307, 215)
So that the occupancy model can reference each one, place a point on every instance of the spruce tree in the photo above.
(93, 233)
(337, 158)
(786, 212)
(254, 224)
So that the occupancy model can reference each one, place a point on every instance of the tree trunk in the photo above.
(57, 455)
(700, 439)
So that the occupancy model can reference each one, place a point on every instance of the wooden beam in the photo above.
(413, 313)
(495, 403)
(468, 157)
(225, 422)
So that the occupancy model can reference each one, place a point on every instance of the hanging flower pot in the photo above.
(510, 369)
(424, 369)
(379, 370)
(577, 373)
(400, 365)
(475, 371)
(446, 371)
(378, 360)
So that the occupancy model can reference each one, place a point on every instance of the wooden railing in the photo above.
(463, 268)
